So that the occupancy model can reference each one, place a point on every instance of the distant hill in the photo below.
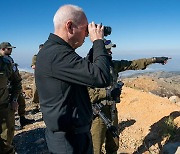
(164, 84)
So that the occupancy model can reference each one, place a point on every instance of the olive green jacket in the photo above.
(98, 94)
(8, 78)
(34, 60)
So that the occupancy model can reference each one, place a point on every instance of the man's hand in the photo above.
(95, 31)
(14, 106)
(161, 60)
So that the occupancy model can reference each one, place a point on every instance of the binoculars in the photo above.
(107, 30)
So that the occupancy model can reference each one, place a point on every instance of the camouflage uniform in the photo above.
(21, 99)
(6, 50)
(8, 130)
(34, 60)
(35, 93)
(7, 117)
(35, 100)
(99, 130)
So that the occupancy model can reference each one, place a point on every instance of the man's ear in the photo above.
(69, 27)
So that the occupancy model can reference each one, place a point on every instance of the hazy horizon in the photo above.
(172, 65)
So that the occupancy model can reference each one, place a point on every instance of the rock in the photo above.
(174, 99)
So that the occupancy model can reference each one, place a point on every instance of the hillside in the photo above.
(144, 116)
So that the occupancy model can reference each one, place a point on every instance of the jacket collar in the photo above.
(58, 40)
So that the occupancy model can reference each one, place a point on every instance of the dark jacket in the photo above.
(62, 77)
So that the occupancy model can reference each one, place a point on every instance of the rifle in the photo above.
(97, 111)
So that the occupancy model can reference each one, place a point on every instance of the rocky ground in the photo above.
(149, 116)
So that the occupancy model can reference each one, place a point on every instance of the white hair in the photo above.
(67, 12)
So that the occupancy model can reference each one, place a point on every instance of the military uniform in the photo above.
(21, 99)
(6, 50)
(8, 132)
(35, 93)
(7, 117)
(99, 131)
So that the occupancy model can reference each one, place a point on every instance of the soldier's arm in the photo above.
(97, 94)
(139, 64)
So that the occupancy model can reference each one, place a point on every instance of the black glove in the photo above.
(162, 60)
(113, 94)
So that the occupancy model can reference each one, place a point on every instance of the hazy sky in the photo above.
(147, 27)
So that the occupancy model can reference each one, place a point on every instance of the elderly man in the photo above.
(62, 77)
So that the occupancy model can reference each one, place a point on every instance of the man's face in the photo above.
(80, 32)
(7, 51)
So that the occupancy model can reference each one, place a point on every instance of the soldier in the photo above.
(8, 101)
(99, 131)
(21, 100)
(35, 100)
